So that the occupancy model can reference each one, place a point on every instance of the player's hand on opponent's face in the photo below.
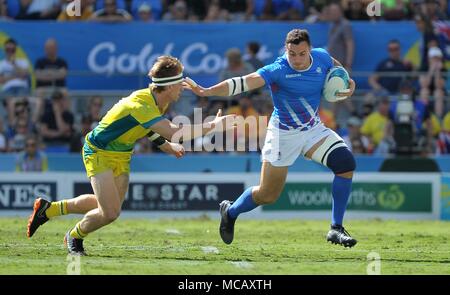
(348, 92)
(171, 148)
(190, 84)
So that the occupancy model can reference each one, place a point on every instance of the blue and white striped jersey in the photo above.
(296, 94)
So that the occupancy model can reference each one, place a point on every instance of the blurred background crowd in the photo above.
(218, 10)
(405, 111)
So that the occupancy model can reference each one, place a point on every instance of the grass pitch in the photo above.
(193, 246)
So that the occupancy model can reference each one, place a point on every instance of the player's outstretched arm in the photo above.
(176, 134)
(229, 87)
(172, 148)
(168, 147)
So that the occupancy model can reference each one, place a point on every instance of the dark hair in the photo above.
(394, 41)
(10, 41)
(22, 101)
(253, 47)
(297, 36)
(86, 119)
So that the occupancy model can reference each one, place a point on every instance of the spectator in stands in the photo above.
(341, 47)
(394, 9)
(156, 7)
(3, 142)
(94, 111)
(177, 12)
(86, 12)
(428, 40)
(444, 136)
(340, 39)
(111, 14)
(236, 66)
(17, 142)
(56, 125)
(432, 10)
(4, 10)
(357, 143)
(315, 9)
(252, 55)
(327, 118)
(366, 109)
(435, 131)
(238, 10)
(418, 115)
(32, 159)
(77, 142)
(384, 84)
(283, 10)
(356, 10)
(215, 13)
(198, 9)
(432, 83)
(39, 9)
(14, 72)
(245, 111)
(145, 13)
(374, 126)
(50, 70)
(21, 111)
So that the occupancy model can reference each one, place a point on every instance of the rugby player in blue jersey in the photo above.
(295, 81)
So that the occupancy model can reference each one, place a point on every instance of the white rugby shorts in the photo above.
(282, 147)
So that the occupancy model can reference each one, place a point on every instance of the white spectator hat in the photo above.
(144, 8)
(434, 52)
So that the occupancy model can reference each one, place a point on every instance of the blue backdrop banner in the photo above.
(105, 56)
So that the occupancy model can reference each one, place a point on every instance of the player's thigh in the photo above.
(281, 147)
(320, 142)
(314, 148)
(271, 183)
(122, 181)
(106, 192)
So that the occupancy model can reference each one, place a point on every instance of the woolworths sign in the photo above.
(367, 196)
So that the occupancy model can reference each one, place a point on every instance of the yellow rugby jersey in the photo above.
(126, 122)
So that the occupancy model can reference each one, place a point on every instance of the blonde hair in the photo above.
(164, 66)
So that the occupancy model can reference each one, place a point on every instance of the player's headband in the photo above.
(168, 80)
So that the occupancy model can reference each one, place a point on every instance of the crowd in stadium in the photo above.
(215, 10)
(403, 111)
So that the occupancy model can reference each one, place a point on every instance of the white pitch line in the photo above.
(242, 264)
(210, 249)
(143, 247)
(173, 231)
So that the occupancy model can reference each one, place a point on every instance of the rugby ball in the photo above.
(337, 80)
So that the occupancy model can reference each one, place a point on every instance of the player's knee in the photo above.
(341, 160)
(111, 215)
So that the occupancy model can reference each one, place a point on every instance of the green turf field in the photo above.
(193, 246)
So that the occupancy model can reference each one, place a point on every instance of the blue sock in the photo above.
(243, 204)
(341, 192)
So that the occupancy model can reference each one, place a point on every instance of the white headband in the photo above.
(168, 80)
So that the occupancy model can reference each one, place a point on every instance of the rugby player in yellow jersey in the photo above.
(108, 148)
